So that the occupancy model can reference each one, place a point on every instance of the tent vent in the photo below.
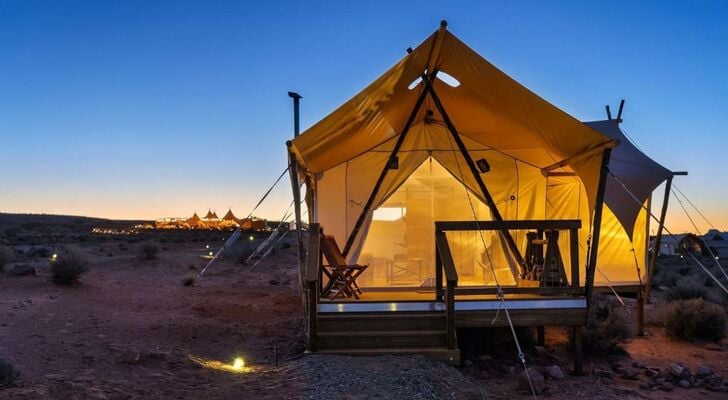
(414, 83)
(448, 79)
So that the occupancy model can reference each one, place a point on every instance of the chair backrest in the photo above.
(332, 252)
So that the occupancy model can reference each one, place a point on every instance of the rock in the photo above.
(645, 385)
(676, 370)
(666, 387)
(703, 371)
(631, 374)
(659, 381)
(685, 384)
(130, 357)
(274, 282)
(485, 358)
(602, 373)
(468, 363)
(713, 347)
(22, 270)
(651, 372)
(639, 365)
(554, 371)
(538, 381)
(618, 368)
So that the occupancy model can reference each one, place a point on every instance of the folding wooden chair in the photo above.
(342, 277)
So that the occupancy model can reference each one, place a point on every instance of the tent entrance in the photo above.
(400, 243)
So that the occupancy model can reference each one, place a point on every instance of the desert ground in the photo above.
(131, 329)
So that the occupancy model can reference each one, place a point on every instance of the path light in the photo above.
(252, 238)
(238, 364)
(54, 257)
(207, 246)
(210, 254)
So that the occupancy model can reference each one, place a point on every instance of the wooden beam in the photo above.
(658, 239)
(313, 263)
(443, 248)
(574, 260)
(558, 224)
(426, 81)
(534, 290)
(596, 228)
(476, 174)
(293, 172)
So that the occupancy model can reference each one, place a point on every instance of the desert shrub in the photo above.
(686, 291)
(608, 325)
(188, 281)
(695, 319)
(149, 251)
(666, 278)
(6, 256)
(285, 245)
(8, 374)
(68, 268)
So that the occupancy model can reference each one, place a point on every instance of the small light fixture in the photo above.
(483, 165)
(54, 257)
(210, 254)
(393, 162)
(207, 246)
(238, 364)
(251, 238)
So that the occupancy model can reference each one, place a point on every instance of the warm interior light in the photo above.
(238, 364)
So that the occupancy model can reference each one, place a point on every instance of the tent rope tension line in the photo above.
(682, 251)
(234, 237)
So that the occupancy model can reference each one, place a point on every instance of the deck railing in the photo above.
(312, 283)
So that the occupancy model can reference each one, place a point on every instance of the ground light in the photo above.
(54, 257)
(210, 253)
(252, 237)
(237, 366)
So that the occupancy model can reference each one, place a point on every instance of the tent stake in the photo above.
(476, 174)
(426, 81)
(596, 229)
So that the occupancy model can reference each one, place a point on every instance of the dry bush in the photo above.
(189, 281)
(7, 255)
(608, 325)
(686, 290)
(149, 251)
(8, 374)
(695, 319)
(68, 268)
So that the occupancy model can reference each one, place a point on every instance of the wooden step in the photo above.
(381, 339)
(333, 322)
(438, 353)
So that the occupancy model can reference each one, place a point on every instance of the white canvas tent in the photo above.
(401, 154)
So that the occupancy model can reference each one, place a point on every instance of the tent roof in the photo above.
(210, 215)
(487, 107)
(230, 217)
(194, 219)
(639, 173)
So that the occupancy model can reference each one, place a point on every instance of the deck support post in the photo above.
(313, 284)
(293, 172)
(541, 336)
(578, 351)
(426, 81)
(596, 230)
(438, 275)
(476, 174)
(658, 239)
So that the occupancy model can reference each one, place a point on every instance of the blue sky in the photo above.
(138, 109)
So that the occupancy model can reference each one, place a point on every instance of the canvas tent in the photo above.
(402, 154)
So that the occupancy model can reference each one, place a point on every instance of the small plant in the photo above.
(686, 291)
(189, 281)
(695, 319)
(8, 374)
(608, 325)
(68, 268)
(149, 251)
(6, 255)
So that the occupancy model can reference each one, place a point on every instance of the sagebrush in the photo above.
(68, 268)
(8, 374)
(6, 256)
(695, 319)
(149, 251)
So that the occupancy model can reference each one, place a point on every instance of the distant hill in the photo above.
(58, 223)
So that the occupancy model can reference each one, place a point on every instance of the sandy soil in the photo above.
(131, 330)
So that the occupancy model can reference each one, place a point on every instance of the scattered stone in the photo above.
(666, 387)
(703, 371)
(659, 381)
(554, 371)
(639, 365)
(631, 374)
(676, 370)
(468, 363)
(602, 373)
(645, 385)
(130, 357)
(618, 368)
(22, 270)
(685, 384)
(485, 357)
(713, 347)
(651, 372)
(538, 381)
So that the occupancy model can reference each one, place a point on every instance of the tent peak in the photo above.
(443, 24)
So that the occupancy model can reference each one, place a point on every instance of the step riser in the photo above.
(381, 325)
(380, 342)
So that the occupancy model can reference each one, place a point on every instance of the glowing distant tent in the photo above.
(230, 218)
(194, 221)
(211, 215)
(535, 161)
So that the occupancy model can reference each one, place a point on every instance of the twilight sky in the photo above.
(140, 109)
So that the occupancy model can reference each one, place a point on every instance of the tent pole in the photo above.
(476, 174)
(596, 229)
(426, 81)
(658, 239)
(293, 171)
